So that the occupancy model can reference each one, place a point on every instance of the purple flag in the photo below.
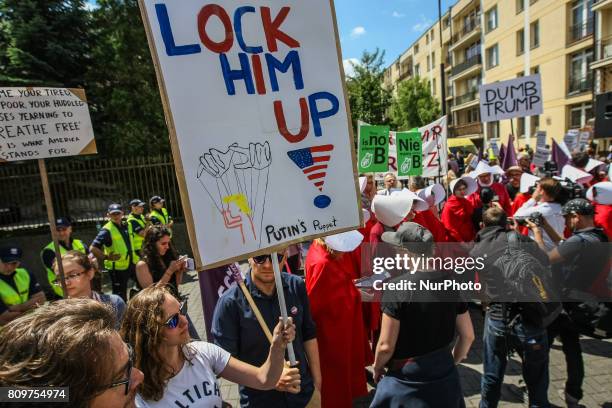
(509, 155)
(559, 156)
(213, 283)
(502, 153)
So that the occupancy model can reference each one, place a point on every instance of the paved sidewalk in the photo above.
(597, 361)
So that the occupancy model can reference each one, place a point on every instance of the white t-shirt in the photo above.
(550, 211)
(195, 386)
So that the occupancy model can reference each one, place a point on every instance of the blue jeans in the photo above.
(532, 345)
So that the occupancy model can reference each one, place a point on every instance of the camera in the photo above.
(550, 169)
(487, 196)
(569, 191)
(535, 217)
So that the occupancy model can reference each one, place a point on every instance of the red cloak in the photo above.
(457, 219)
(519, 200)
(335, 304)
(500, 191)
(603, 218)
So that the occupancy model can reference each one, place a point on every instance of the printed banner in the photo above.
(255, 99)
(435, 150)
(37, 123)
(373, 148)
(515, 98)
(409, 153)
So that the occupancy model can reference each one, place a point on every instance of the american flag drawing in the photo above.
(313, 162)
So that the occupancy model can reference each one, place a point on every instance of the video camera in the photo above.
(550, 169)
(535, 217)
(569, 191)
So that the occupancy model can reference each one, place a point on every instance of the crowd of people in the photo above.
(139, 348)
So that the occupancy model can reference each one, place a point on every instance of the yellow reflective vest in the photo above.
(135, 238)
(119, 246)
(9, 296)
(161, 215)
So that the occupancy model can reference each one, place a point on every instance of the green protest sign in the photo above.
(409, 153)
(373, 148)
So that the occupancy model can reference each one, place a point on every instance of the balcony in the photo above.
(580, 84)
(469, 30)
(405, 74)
(601, 5)
(581, 30)
(466, 130)
(466, 97)
(449, 92)
(604, 53)
(468, 63)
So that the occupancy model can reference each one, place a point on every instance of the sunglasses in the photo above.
(128, 380)
(261, 259)
(173, 321)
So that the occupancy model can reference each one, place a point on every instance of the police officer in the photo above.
(136, 227)
(66, 243)
(159, 214)
(19, 290)
(112, 247)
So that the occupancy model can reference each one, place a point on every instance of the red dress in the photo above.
(603, 218)
(500, 191)
(457, 219)
(335, 304)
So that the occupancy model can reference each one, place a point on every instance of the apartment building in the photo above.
(484, 42)
(602, 67)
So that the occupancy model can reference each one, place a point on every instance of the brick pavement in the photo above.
(597, 360)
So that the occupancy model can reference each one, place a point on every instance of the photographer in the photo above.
(543, 202)
(505, 327)
(579, 260)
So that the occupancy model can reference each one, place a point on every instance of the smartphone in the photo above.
(190, 264)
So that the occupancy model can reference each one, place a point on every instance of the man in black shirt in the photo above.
(579, 260)
(505, 329)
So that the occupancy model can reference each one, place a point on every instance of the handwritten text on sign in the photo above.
(37, 123)
(515, 98)
(257, 101)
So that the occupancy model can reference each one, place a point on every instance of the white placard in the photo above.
(255, 97)
(37, 123)
(494, 148)
(541, 138)
(540, 156)
(571, 139)
(435, 149)
(584, 139)
(514, 98)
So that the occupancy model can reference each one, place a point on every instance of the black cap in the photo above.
(155, 200)
(114, 208)
(62, 222)
(411, 236)
(578, 206)
(10, 254)
(137, 203)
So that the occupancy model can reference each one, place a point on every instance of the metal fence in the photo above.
(83, 187)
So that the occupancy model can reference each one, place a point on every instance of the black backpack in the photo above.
(528, 284)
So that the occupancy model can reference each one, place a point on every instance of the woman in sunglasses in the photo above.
(183, 373)
(79, 273)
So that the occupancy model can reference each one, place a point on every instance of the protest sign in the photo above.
(571, 139)
(373, 148)
(256, 106)
(37, 123)
(541, 138)
(514, 98)
(435, 150)
(409, 153)
(540, 156)
(494, 147)
(583, 139)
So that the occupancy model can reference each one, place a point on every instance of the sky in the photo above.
(391, 25)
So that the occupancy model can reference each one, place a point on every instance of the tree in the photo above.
(44, 42)
(368, 99)
(414, 106)
(125, 102)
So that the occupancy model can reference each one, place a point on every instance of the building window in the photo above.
(492, 56)
(582, 19)
(473, 83)
(534, 34)
(472, 50)
(535, 124)
(520, 42)
(417, 70)
(428, 64)
(579, 115)
(433, 59)
(427, 38)
(473, 115)
(446, 22)
(520, 6)
(491, 18)
(581, 76)
(520, 127)
(433, 87)
(493, 130)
